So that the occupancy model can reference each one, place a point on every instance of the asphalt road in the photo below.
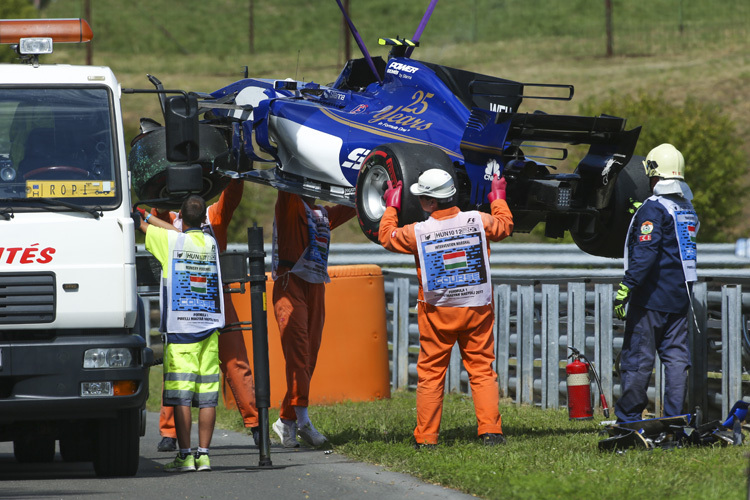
(295, 474)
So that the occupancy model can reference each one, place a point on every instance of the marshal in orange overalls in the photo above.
(299, 305)
(441, 327)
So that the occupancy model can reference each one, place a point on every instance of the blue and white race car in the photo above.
(391, 120)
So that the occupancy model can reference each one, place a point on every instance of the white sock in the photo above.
(302, 417)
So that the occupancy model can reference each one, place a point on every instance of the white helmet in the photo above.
(665, 161)
(435, 183)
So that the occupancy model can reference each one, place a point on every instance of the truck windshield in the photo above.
(57, 143)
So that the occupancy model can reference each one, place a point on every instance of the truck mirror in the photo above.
(181, 123)
(184, 179)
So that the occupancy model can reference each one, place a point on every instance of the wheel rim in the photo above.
(373, 188)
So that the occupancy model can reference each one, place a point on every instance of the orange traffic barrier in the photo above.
(353, 358)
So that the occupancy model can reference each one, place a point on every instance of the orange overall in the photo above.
(299, 306)
(233, 358)
(441, 327)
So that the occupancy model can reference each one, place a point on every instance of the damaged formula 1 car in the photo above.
(392, 119)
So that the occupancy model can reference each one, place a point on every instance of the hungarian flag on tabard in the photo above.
(322, 243)
(198, 284)
(454, 260)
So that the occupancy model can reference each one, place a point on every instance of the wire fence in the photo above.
(267, 26)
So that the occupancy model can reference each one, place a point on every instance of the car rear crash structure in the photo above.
(392, 119)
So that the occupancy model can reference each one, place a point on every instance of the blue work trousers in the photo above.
(646, 333)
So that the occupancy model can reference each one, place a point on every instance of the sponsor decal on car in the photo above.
(500, 108)
(401, 69)
(402, 118)
(492, 168)
(355, 158)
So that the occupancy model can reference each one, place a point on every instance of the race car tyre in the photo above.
(148, 164)
(34, 449)
(395, 162)
(116, 448)
(631, 185)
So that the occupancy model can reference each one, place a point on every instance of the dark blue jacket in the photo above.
(655, 275)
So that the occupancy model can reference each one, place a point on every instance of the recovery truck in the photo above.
(74, 361)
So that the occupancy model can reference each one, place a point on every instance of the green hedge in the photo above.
(715, 165)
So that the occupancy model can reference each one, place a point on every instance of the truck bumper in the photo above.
(41, 379)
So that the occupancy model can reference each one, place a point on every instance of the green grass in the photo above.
(546, 457)
(315, 28)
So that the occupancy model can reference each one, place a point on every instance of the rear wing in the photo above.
(516, 90)
(490, 133)
(603, 130)
(498, 137)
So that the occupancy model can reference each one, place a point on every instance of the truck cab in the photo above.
(73, 356)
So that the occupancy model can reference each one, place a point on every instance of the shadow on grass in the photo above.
(370, 436)
(450, 436)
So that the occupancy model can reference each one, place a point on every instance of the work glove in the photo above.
(622, 298)
(392, 195)
(634, 205)
(142, 212)
(136, 216)
(497, 189)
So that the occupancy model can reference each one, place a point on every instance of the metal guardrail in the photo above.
(531, 255)
(534, 324)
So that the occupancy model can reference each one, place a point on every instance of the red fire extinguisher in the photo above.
(579, 387)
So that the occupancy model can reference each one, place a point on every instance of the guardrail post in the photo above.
(658, 387)
(550, 335)
(697, 335)
(502, 337)
(731, 347)
(525, 369)
(400, 333)
(603, 340)
(453, 377)
(576, 317)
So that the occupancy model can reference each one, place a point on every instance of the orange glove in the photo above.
(392, 195)
(497, 190)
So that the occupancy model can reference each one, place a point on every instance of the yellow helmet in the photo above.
(665, 161)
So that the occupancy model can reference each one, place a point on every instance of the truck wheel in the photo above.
(32, 449)
(609, 241)
(76, 450)
(399, 161)
(116, 449)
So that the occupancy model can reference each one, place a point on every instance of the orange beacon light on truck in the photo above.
(59, 30)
